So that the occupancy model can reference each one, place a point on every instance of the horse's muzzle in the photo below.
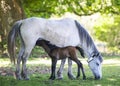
(97, 77)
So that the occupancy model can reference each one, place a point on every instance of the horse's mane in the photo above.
(85, 37)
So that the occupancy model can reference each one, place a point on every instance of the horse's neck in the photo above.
(90, 50)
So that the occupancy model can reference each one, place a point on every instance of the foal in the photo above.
(57, 53)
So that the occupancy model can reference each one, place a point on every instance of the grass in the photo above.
(110, 70)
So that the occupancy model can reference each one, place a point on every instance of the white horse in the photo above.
(62, 33)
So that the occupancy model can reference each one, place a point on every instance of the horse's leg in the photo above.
(18, 73)
(70, 74)
(28, 49)
(53, 68)
(60, 71)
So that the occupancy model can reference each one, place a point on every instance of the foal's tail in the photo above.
(81, 51)
(11, 40)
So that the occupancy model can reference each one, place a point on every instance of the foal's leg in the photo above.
(70, 74)
(78, 73)
(80, 66)
(53, 68)
(60, 71)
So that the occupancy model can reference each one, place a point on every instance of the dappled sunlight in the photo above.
(40, 61)
(98, 85)
(111, 79)
(111, 62)
(4, 63)
(46, 61)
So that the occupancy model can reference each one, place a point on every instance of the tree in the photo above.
(107, 29)
(10, 11)
(46, 8)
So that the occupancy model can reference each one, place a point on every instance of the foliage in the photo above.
(10, 11)
(46, 8)
(108, 30)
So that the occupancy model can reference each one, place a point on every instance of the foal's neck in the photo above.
(46, 47)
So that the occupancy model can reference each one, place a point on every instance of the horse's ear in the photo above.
(100, 58)
(93, 54)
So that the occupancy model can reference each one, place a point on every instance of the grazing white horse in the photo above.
(62, 33)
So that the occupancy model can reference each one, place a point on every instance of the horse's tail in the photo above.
(11, 40)
(81, 51)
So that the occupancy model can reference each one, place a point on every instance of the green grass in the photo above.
(110, 70)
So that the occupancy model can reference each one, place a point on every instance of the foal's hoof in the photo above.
(84, 78)
(52, 78)
(77, 77)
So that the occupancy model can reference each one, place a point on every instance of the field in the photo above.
(39, 72)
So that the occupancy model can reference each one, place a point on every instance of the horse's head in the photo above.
(94, 63)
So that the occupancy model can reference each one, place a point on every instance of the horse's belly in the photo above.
(63, 39)
(62, 36)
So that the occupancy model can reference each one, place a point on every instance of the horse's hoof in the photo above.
(26, 78)
(59, 78)
(71, 76)
(18, 78)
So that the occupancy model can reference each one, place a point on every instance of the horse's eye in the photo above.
(97, 64)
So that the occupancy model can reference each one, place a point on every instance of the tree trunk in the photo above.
(10, 11)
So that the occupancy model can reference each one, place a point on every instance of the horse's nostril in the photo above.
(97, 78)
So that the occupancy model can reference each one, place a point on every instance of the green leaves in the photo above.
(108, 30)
(45, 8)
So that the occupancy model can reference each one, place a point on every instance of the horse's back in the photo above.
(61, 32)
